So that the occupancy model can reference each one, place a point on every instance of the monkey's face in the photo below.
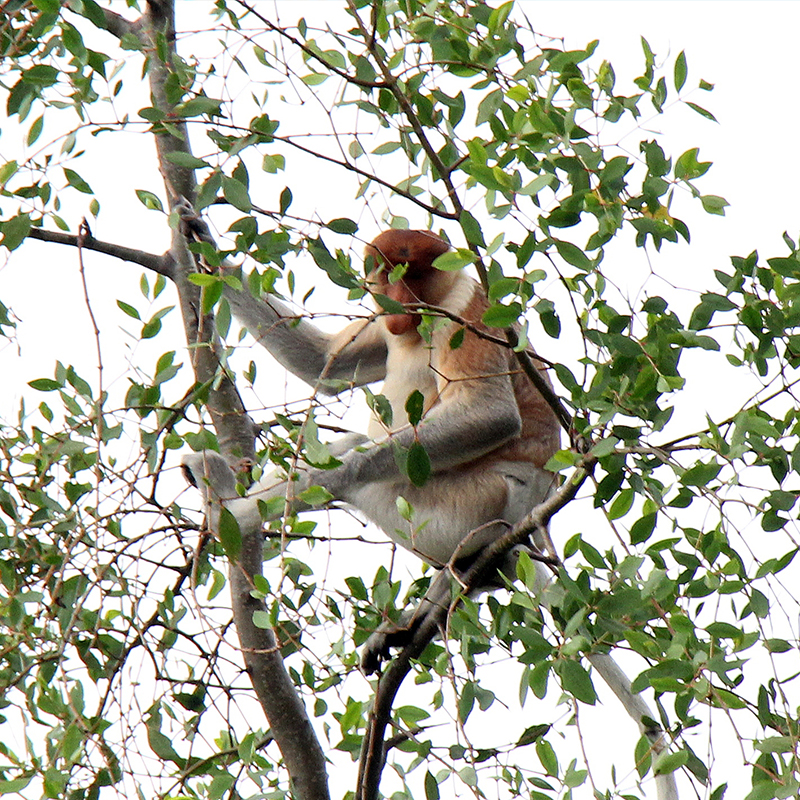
(404, 272)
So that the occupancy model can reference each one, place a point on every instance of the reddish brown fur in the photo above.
(539, 438)
(476, 357)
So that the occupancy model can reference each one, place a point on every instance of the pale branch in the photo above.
(161, 264)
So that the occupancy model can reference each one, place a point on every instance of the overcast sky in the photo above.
(748, 50)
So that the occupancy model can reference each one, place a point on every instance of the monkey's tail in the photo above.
(640, 712)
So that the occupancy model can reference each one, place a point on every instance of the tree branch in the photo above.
(432, 210)
(408, 110)
(309, 51)
(161, 264)
(282, 705)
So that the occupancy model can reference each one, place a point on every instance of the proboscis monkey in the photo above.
(487, 431)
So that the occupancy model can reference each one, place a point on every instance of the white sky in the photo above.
(748, 50)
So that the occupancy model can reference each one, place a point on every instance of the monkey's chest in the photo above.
(409, 367)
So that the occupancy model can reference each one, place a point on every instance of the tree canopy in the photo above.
(120, 668)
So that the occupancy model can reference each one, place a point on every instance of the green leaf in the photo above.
(700, 474)
(643, 755)
(35, 131)
(775, 744)
(389, 305)
(548, 757)
(235, 192)
(152, 114)
(702, 111)
(161, 745)
(273, 164)
(75, 180)
(386, 148)
(316, 496)
(15, 785)
(713, 204)
(667, 762)
(532, 734)
(15, 231)
(576, 680)
(7, 171)
(316, 452)
(404, 508)
(45, 384)
(128, 309)
(789, 267)
(149, 200)
(336, 271)
(199, 105)
(622, 504)
(40, 75)
(573, 255)
(229, 534)
(687, 167)
(431, 787)
(454, 260)
(418, 464)
(500, 316)
(643, 528)
(415, 406)
(472, 229)
(343, 225)
(183, 159)
(380, 406)
(286, 200)
(680, 71)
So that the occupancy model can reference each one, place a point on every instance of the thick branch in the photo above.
(287, 717)
(373, 749)
(553, 400)
(161, 264)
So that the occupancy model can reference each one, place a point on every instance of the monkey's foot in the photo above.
(377, 648)
(209, 471)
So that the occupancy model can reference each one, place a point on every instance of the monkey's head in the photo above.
(418, 249)
(419, 284)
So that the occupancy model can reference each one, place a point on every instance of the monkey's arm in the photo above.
(355, 355)
(472, 417)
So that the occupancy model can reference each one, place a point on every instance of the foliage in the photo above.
(118, 662)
